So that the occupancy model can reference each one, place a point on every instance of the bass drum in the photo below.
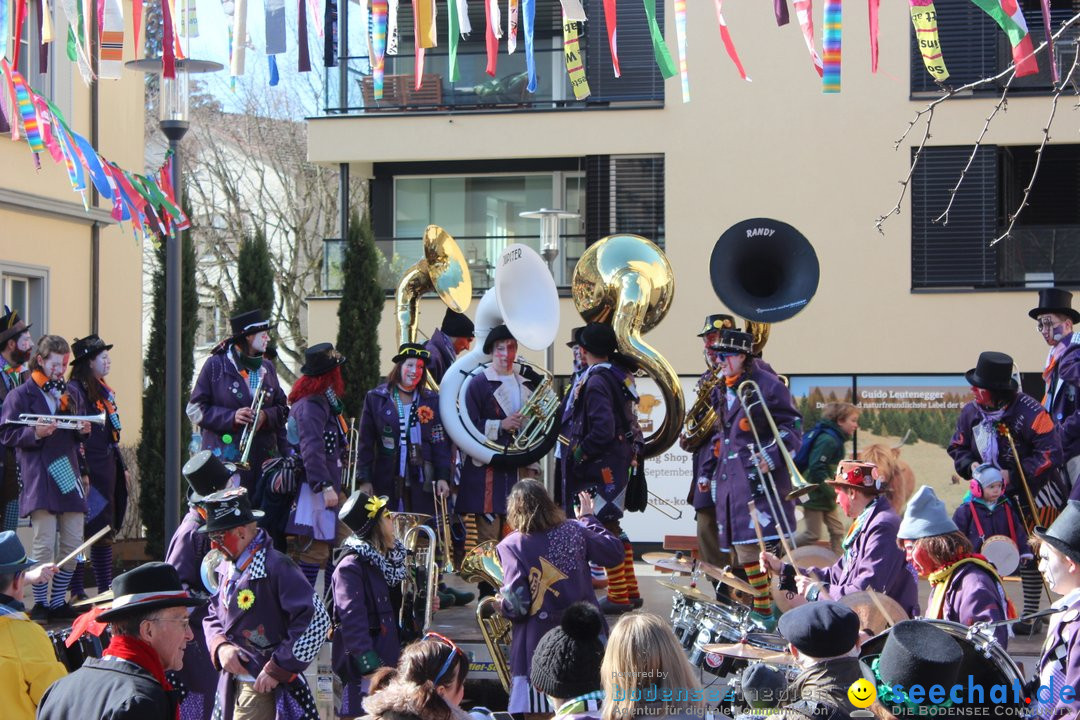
(985, 660)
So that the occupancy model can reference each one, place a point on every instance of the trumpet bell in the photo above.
(481, 564)
(447, 269)
(527, 297)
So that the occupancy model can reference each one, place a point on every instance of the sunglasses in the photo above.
(450, 659)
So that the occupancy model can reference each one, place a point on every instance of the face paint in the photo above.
(258, 342)
(101, 364)
(844, 501)
(23, 347)
(228, 542)
(411, 372)
(54, 366)
(920, 558)
(982, 396)
(579, 358)
(503, 355)
(732, 365)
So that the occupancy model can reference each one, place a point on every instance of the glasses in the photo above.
(184, 622)
(449, 660)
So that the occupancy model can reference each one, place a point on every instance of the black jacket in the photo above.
(107, 689)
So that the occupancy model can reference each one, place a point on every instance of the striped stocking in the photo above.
(76, 587)
(311, 572)
(616, 589)
(1031, 581)
(60, 583)
(41, 594)
(757, 577)
(598, 573)
(101, 557)
(629, 578)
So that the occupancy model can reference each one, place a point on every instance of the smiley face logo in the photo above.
(862, 693)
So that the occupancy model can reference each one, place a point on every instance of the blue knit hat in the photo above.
(986, 475)
(925, 516)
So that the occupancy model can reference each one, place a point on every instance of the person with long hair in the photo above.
(964, 587)
(545, 563)
(109, 476)
(897, 476)
(645, 660)
(427, 684)
(1000, 411)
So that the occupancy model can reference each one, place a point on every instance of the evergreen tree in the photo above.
(254, 276)
(151, 450)
(358, 314)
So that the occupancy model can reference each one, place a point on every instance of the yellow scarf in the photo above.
(940, 580)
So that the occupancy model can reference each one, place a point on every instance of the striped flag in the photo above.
(1010, 18)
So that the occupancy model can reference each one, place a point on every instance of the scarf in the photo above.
(391, 565)
(856, 528)
(338, 408)
(942, 577)
(1048, 374)
(11, 373)
(988, 447)
(136, 650)
(56, 388)
(107, 404)
(250, 363)
(581, 704)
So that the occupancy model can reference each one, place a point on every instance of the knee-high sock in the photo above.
(1031, 581)
(628, 570)
(60, 583)
(311, 571)
(41, 594)
(76, 585)
(616, 589)
(101, 558)
(757, 577)
(597, 572)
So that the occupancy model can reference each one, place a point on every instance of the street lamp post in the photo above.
(173, 122)
(549, 250)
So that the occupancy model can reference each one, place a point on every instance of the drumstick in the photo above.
(761, 542)
(880, 607)
(93, 539)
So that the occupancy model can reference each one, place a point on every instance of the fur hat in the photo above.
(566, 662)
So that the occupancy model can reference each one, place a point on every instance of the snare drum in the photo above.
(686, 620)
(1002, 553)
(73, 657)
(714, 627)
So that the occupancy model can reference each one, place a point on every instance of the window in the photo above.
(212, 325)
(625, 195)
(1044, 247)
(25, 289)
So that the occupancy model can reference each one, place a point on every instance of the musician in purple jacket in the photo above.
(743, 469)
(365, 620)
(452, 338)
(222, 399)
(1056, 319)
(265, 625)
(15, 348)
(206, 474)
(998, 410)
(964, 587)
(871, 560)
(54, 477)
(545, 563)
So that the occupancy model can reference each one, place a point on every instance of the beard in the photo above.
(18, 357)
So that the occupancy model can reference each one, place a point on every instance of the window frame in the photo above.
(37, 277)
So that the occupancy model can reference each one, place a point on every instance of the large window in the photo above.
(25, 289)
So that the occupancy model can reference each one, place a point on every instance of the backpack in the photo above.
(802, 458)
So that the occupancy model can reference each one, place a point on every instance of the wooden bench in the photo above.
(399, 92)
(685, 543)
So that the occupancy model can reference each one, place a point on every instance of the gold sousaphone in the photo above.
(481, 564)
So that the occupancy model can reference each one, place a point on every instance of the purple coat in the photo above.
(483, 489)
(365, 621)
(545, 573)
(282, 631)
(322, 449)
(49, 467)
(9, 478)
(994, 521)
(1033, 432)
(1062, 398)
(874, 561)
(737, 478)
(973, 595)
(107, 503)
(187, 548)
(1059, 664)
(378, 453)
(218, 393)
(602, 441)
(442, 355)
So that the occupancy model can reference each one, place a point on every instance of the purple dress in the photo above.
(974, 595)
(737, 479)
(282, 629)
(442, 355)
(379, 454)
(993, 521)
(1062, 401)
(322, 449)
(49, 467)
(220, 391)
(187, 548)
(107, 502)
(873, 561)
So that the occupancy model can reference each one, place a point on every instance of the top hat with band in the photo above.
(228, 509)
(455, 324)
(717, 323)
(736, 341)
(321, 359)
(248, 323)
(1054, 300)
(88, 348)
(11, 325)
(992, 372)
(151, 586)
(206, 475)
(12, 554)
(1064, 533)
(408, 351)
(361, 512)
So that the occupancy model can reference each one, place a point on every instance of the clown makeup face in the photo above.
(579, 358)
(731, 365)
(1062, 574)
(918, 558)
(412, 371)
(257, 342)
(503, 354)
(100, 364)
(231, 542)
(1053, 327)
(982, 397)
(54, 366)
(711, 338)
(461, 344)
(843, 499)
(23, 347)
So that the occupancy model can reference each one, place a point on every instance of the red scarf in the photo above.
(138, 651)
(40, 379)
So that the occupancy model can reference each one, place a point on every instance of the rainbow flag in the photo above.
(830, 46)
(1010, 18)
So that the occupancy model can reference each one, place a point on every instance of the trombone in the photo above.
(664, 506)
(442, 532)
(248, 436)
(61, 422)
(352, 442)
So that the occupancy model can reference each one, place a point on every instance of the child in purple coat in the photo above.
(987, 512)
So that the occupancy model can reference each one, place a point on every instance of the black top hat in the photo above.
(736, 341)
(411, 350)
(917, 652)
(566, 661)
(455, 324)
(10, 325)
(148, 587)
(599, 339)
(321, 359)
(717, 323)
(206, 475)
(1053, 300)
(248, 323)
(499, 332)
(228, 509)
(88, 348)
(12, 554)
(992, 372)
(574, 339)
(820, 629)
(361, 512)
(1064, 533)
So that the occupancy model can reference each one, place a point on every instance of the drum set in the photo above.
(87, 646)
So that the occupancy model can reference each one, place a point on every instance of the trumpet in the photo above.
(248, 436)
(539, 413)
(348, 473)
(61, 422)
(442, 532)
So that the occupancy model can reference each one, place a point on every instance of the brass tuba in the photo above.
(208, 570)
(443, 270)
(627, 281)
(481, 564)
(421, 572)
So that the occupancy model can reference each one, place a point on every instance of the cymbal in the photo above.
(691, 592)
(813, 556)
(668, 561)
(747, 651)
(870, 617)
(724, 575)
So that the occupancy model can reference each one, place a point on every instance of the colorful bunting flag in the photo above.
(575, 61)
(680, 38)
(1010, 18)
(111, 64)
(924, 20)
(729, 44)
(831, 46)
(660, 51)
(610, 21)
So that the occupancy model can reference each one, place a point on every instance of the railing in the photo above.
(397, 254)
(1040, 255)
(474, 90)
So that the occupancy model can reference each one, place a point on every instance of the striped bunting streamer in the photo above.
(831, 46)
